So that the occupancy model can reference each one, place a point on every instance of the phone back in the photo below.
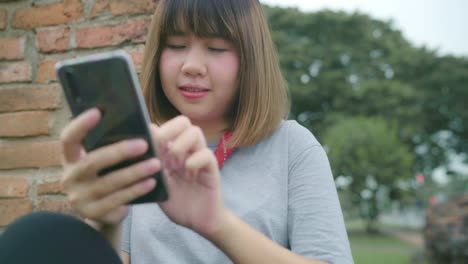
(108, 81)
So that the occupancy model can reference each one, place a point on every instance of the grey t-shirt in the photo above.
(282, 186)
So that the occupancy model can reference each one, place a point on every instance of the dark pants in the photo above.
(52, 238)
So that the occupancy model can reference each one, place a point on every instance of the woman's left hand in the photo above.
(192, 175)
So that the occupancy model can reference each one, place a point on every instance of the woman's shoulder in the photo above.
(296, 134)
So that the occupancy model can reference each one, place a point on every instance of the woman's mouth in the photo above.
(192, 92)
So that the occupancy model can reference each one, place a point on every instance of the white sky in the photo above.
(437, 24)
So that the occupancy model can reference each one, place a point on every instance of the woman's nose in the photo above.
(194, 63)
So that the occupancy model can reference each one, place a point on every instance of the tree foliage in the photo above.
(340, 64)
(382, 106)
(370, 152)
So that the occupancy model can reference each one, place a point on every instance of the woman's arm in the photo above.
(243, 244)
(193, 179)
(125, 257)
(315, 222)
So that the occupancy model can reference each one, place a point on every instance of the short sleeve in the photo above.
(315, 221)
(126, 232)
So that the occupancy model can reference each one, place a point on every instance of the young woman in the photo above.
(245, 185)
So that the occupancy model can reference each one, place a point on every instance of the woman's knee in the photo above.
(53, 237)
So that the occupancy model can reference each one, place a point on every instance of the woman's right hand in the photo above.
(103, 199)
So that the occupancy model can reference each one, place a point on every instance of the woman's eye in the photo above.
(174, 46)
(217, 49)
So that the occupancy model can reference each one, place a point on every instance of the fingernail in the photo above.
(92, 111)
(136, 145)
(152, 165)
(92, 114)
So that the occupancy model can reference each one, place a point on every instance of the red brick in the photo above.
(123, 7)
(120, 7)
(46, 71)
(101, 36)
(30, 155)
(13, 187)
(11, 209)
(3, 19)
(24, 124)
(12, 48)
(15, 72)
(137, 58)
(48, 15)
(53, 40)
(41, 97)
(99, 7)
(50, 188)
(59, 204)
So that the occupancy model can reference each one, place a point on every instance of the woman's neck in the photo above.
(213, 131)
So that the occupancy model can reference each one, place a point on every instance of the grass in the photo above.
(378, 248)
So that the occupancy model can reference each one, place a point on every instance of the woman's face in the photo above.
(199, 76)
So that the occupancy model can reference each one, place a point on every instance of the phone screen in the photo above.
(106, 86)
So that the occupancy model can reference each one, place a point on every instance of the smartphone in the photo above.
(109, 82)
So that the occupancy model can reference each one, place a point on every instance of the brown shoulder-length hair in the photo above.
(263, 98)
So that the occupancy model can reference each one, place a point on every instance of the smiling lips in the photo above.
(193, 91)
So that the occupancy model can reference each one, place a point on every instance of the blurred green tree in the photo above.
(341, 65)
(350, 64)
(369, 151)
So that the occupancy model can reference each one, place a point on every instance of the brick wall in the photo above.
(33, 36)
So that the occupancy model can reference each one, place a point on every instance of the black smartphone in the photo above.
(109, 82)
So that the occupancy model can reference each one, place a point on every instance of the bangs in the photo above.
(204, 18)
